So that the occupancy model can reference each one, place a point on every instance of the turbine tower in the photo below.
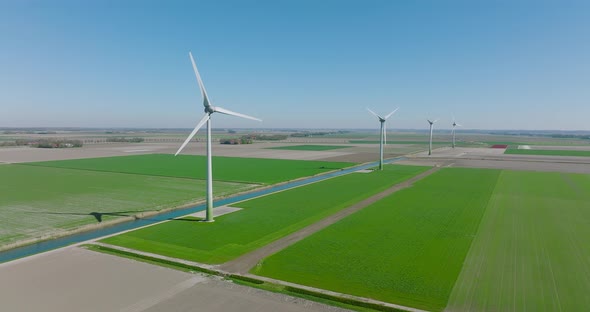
(430, 142)
(209, 110)
(453, 131)
(383, 139)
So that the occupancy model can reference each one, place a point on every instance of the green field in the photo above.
(547, 152)
(262, 220)
(310, 147)
(37, 201)
(531, 251)
(407, 248)
(249, 170)
(492, 240)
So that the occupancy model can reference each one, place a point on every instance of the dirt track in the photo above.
(244, 263)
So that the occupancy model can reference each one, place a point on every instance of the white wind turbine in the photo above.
(453, 131)
(209, 110)
(430, 142)
(383, 140)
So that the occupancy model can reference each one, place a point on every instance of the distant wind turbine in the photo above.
(383, 139)
(453, 131)
(209, 110)
(430, 143)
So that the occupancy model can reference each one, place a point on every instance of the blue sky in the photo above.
(305, 64)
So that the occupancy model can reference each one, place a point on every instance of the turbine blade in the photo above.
(199, 125)
(458, 125)
(429, 121)
(228, 112)
(201, 85)
(435, 120)
(375, 114)
(395, 110)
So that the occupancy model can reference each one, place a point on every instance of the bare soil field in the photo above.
(29, 154)
(75, 279)
(356, 153)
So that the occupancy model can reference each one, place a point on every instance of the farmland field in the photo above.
(394, 142)
(547, 152)
(310, 147)
(262, 220)
(249, 170)
(37, 201)
(492, 240)
(531, 251)
(407, 248)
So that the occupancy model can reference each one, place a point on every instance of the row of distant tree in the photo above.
(307, 134)
(126, 140)
(44, 143)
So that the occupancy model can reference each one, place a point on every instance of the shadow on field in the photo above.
(190, 219)
(97, 215)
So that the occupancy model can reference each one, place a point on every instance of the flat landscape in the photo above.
(461, 239)
(262, 220)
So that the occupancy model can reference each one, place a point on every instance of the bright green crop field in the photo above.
(310, 147)
(262, 220)
(37, 201)
(459, 240)
(249, 170)
(547, 152)
(531, 252)
(407, 248)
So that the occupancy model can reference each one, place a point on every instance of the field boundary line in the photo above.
(246, 262)
(471, 263)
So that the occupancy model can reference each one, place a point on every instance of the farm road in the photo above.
(244, 263)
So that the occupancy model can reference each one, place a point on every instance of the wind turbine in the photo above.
(430, 143)
(383, 140)
(209, 110)
(453, 131)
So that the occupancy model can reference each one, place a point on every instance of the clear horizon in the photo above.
(499, 65)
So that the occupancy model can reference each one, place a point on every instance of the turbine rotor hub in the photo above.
(209, 109)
